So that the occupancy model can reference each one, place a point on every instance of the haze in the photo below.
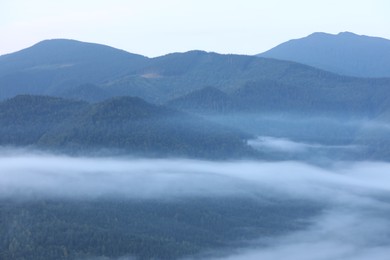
(194, 155)
(154, 28)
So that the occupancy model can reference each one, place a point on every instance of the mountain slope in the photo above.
(345, 53)
(51, 66)
(208, 99)
(270, 96)
(127, 125)
(179, 74)
(25, 119)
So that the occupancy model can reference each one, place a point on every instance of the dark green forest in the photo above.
(146, 229)
(124, 125)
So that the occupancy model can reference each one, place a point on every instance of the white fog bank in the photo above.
(57, 176)
(353, 225)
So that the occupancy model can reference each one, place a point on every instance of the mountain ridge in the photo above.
(161, 79)
(344, 53)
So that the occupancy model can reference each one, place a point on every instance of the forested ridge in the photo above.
(126, 125)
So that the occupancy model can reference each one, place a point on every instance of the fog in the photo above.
(286, 145)
(74, 177)
(356, 195)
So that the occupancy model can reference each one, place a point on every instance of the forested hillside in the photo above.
(124, 125)
(269, 96)
(147, 229)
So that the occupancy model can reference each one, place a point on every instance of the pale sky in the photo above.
(157, 27)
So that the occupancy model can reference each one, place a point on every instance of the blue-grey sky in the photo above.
(157, 27)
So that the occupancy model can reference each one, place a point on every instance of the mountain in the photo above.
(179, 74)
(25, 119)
(270, 96)
(52, 66)
(349, 123)
(126, 125)
(345, 53)
(72, 69)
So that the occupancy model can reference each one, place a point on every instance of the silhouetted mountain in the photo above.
(345, 53)
(52, 66)
(92, 72)
(126, 125)
(59, 67)
(231, 72)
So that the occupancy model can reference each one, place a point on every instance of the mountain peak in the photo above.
(68, 48)
(324, 35)
(344, 53)
(75, 62)
(346, 33)
(59, 41)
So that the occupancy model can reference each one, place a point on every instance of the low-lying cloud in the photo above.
(57, 176)
(289, 146)
(354, 224)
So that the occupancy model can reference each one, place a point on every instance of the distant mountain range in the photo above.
(76, 96)
(93, 72)
(345, 53)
